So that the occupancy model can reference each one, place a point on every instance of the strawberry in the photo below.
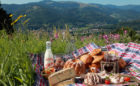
(52, 70)
(127, 79)
(47, 72)
(107, 81)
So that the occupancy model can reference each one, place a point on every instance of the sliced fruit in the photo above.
(127, 79)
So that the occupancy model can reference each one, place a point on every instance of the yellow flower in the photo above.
(12, 23)
(25, 15)
(26, 21)
(11, 15)
(18, 18)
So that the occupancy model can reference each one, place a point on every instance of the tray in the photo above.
(134, 81)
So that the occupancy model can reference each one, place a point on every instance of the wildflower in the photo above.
(105, 37)
(111, 36)
(82, 38)
(116, 36)
(107, 41)
(56, 35)
(108, 47)
(19, 17)
(25, 21)
(11, 15)
(125, 32)
(51, 39)
(25, 15)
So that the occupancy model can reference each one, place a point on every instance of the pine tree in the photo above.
(5, 21)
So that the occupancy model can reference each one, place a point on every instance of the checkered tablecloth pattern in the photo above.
(129, 52)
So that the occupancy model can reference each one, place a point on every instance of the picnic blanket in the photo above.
(129, 52)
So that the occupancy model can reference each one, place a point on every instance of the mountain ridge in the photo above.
(75, 14)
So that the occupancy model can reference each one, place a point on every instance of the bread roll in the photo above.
(122, 64)
(86, 58)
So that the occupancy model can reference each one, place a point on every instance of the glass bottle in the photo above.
(48, 57)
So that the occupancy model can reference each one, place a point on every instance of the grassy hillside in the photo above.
(15, 68)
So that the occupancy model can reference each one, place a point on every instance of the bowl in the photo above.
(45, 73)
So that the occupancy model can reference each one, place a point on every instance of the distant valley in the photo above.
(46, 14)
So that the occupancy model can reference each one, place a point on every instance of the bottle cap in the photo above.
(48, 43)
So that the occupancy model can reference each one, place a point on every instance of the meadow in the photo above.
(15, 64)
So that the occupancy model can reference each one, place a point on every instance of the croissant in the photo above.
(86, 58)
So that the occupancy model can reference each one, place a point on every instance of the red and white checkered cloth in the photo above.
(85, 49)
(130, 53)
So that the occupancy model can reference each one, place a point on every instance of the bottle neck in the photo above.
(48, 47)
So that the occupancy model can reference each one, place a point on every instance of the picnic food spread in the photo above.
(86, 58)
(77, 64)
(92, 79)
(95, 68)
(59, 63)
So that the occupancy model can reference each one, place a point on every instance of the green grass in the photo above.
(15, 65)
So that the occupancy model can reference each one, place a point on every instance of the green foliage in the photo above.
(5, 21)
(129, 34)
(15, 65)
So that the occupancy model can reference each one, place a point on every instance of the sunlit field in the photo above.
(16, 69)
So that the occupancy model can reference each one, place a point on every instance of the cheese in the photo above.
(64, 83)
(61, 75)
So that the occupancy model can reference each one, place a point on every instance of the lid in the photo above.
(48, 43)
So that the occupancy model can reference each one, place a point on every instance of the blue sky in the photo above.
(114, 2)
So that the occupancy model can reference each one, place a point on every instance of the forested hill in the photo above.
(49, 13)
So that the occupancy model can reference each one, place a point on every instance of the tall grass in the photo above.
(15, 64)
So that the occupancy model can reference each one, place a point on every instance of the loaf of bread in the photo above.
(77, 64)
(64, 83)
(61, 75)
